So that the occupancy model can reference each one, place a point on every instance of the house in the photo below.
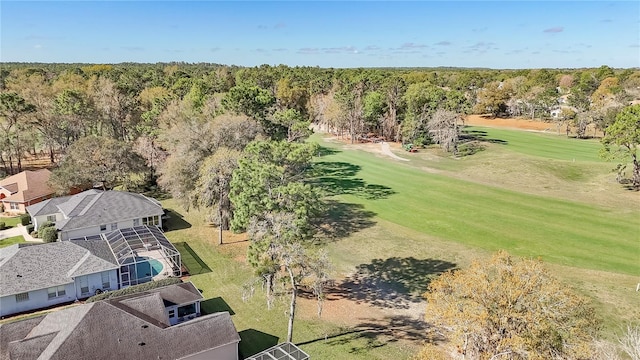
(35, 276)
(95, 212)
(131, 327)
(24, 189)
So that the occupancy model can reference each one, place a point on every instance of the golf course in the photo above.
(391, 226)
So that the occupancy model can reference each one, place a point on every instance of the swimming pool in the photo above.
(145, 268)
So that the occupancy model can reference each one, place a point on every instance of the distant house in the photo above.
(24, 189)
(35, 276)
(95, 212)
(132, 327)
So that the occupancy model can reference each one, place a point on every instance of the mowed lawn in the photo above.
(550, 146)
(491, 218)
(12, 240)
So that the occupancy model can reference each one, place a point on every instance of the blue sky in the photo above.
(504, 34)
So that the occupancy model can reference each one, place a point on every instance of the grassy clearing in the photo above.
(12, 240)
(549, 146)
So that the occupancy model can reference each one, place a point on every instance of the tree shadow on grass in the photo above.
(338, 178)
(380, 332)
(173, 220)
(390, 283)
(326, 151)
(253, 341)
(215, 305)
(343, 219)
(479, 135)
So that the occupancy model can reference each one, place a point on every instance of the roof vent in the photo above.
(19, 275)
(141, 344)
(145, 326)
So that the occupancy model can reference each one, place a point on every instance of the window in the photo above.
(106, 282)
(84, 284)
(151, 220)
(22, 297)
(136, 222)
(103, 227)
(56, 291)
(114, 226)
(187, 310)
(14, 206)
(172, 313)
(51, 218)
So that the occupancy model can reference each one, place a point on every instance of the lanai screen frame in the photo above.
(283, 351)
(124, 243)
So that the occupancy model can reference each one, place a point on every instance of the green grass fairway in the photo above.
(549, 146)
(562, 232)
(12, 240)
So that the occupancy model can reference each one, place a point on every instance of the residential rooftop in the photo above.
(28, 267)
(121, 328)
(97, 207)
(27, 185)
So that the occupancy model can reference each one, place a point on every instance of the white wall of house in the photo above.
(37, 299)
(85, 286)
(40, 219)
(103, 228)
(225, 352)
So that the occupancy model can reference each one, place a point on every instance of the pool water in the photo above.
(146, 269)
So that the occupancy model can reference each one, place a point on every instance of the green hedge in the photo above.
(134, 289)
(30, 228)
(3, 226)
(25, 219)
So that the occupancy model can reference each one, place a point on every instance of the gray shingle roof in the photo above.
(15, 331)
(101, 330)
(31, 267)
(97, 247)
(47, 207)
(110, 207)
(96, 207)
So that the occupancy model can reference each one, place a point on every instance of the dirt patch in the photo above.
(513, 123)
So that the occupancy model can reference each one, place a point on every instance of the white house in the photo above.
(35, 276)
(130, 327)
(95, 212)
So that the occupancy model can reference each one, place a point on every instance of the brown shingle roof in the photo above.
(101, 330)
(27, 185)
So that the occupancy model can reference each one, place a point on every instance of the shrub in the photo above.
(44, 225)
(49, 234)
(134, 289)
(30, 228)
(25, 219)
(2, 226)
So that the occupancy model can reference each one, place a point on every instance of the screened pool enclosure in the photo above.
(143, 253)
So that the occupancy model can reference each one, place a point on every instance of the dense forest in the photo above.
(151, 107)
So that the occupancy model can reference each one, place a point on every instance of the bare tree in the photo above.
(444, 130)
